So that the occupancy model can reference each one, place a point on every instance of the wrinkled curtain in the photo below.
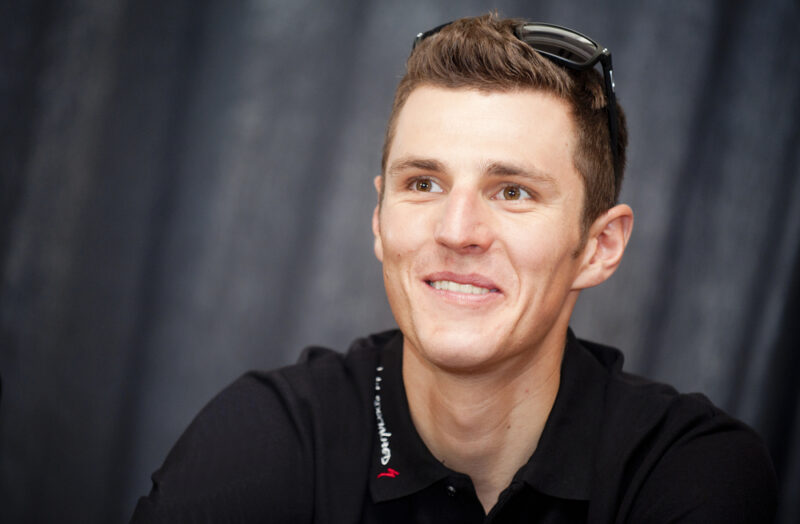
(185, 194)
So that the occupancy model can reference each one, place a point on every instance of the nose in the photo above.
(463, 223)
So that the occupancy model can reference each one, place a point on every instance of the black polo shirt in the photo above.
(330, 440)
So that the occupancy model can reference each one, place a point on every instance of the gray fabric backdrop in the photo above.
(186, 193)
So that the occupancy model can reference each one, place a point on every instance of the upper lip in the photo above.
(474, 279)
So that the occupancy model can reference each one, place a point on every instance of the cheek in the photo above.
(394, 245)
(402, 234)
(541, 250)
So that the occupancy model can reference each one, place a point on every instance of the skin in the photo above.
(480, 190)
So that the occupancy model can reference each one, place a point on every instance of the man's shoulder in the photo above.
(316, 391)
(294, 432)
(643, 401)
(675, 452)
(320, 369)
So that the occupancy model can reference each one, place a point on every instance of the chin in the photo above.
(463, 352)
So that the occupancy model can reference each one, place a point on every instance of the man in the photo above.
(496, 206)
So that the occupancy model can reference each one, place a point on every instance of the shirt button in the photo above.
(451, 491)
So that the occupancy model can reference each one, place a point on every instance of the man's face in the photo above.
(479, 224)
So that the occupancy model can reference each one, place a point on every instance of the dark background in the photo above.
(186, 194)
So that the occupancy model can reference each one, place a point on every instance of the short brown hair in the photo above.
(483, 53)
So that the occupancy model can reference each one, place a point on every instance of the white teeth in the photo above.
(447, 285)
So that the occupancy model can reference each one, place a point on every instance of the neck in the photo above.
(485, 425)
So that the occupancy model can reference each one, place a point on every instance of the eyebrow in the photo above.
(414, 163)
(530, 172)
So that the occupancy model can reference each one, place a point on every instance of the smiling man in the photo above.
(497, 205)
(479, 232)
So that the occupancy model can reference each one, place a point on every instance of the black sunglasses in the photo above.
(570, 49)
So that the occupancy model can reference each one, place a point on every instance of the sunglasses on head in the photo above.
(569, 49)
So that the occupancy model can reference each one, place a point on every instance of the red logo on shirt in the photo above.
(391, 473)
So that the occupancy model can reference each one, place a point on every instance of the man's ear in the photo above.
(605, 245)
(376, 220)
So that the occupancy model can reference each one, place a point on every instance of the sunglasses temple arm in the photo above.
(611, 107)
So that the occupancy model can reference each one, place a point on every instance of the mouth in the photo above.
(463, 284)
(455, 287)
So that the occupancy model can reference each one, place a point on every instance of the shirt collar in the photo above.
(409, 466)
(563, 463)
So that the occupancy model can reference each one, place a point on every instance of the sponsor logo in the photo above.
(391, 473)
(383, 433)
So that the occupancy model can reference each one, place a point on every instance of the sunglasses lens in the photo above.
(560, 43)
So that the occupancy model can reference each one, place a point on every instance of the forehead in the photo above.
(463, 128)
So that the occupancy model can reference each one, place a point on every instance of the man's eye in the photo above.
(426, 185)
(513, 192)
